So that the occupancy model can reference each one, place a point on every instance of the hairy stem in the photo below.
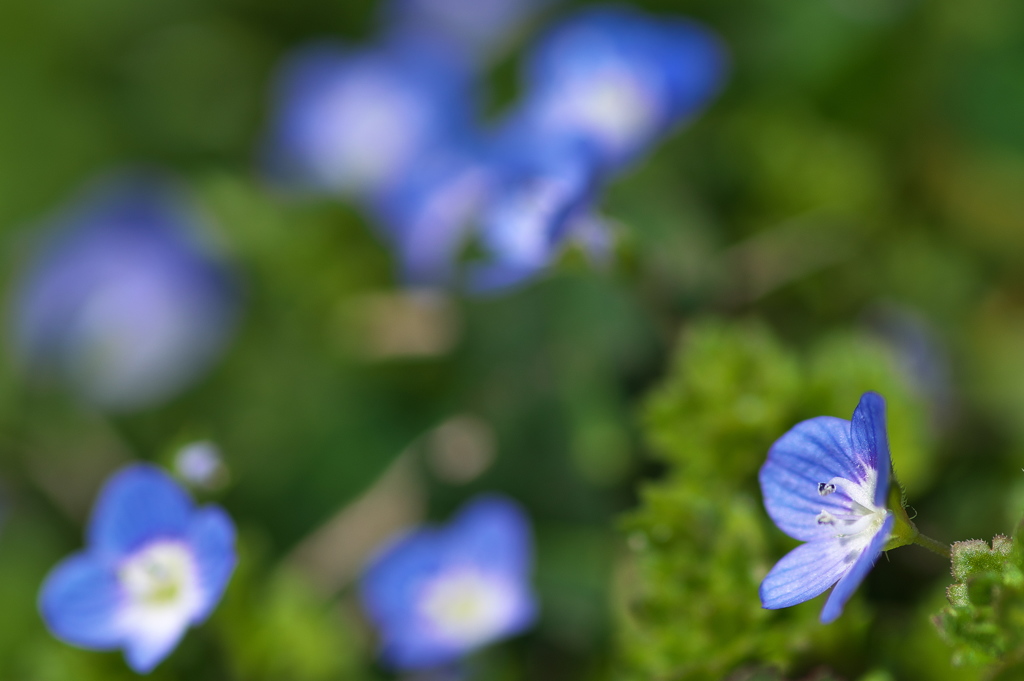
(932, 545)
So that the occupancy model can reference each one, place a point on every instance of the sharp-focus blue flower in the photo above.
(126, 301)
(438, 593)
(482, 27)
(155, 565)
(354, 121)
(826, 482)
(620, 79)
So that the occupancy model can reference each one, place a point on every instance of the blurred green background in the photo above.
(847, 216)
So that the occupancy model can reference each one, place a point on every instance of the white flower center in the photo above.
(613, 104)
(364, 130)
(862, 518)
(163, 590)
(468, 607)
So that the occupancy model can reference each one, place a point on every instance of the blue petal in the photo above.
(849, 583)
(429, 214)
(493, 533)
(673, 67)
(699, 64)
(525, 613)
(543, 183)
(481, 27)
(414, 643)
(80, 602)
(497, 277)
(140, 503)
(391, 582)
(812, 452)
(870, 441)
(211, 534)
(324, 88)
(410, 646)
(144, 652)
(805, 572)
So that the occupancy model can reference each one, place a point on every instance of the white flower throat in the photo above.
(161, 575)
(861, 514)
(467, 606)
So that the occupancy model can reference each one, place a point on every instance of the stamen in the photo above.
(826, 488)
(861, 493)
(825, 518)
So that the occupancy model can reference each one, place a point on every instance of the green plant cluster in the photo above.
(984, 621)
(700, 542)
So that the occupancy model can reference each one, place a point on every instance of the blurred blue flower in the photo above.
(200, 465)
(518, 201)
(126, 301)
(482, 27)
(432, 214)
(436, 594)
(620, 79)
(825, 483)
(155, 565)
(354, 121)
(543, 196)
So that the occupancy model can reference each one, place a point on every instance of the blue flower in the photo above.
(155, 565)
(543, 197)
(432, 213)
(436, 594)
(519, 201)
(620, 79)
(126, 301)
(200, 465)
(354, 121)
(826, 482)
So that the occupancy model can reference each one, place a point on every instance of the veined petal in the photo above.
(793, 510)
(852, 579)
(870, 441)
(211, 535)
(137, 505)
(806, 571)
(81, 600)
(812, 452)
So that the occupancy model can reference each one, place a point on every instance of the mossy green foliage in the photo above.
(985, 619)
(277, 627)
(700, 541)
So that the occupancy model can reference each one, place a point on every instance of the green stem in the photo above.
(932, 545)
